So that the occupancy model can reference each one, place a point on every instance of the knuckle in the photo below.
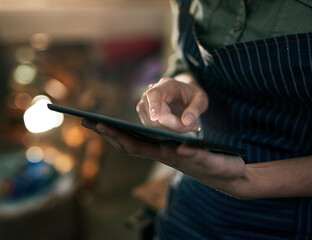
(150, 86)
(169, 81)
(151, 91)
(165, 79)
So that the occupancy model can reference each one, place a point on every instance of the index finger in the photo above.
(154, 98)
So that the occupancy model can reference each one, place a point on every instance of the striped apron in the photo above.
(260, 99)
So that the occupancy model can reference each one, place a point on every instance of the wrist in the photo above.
(244, 187)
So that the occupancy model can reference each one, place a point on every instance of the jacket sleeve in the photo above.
(176, 65)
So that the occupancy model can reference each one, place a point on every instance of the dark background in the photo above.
(94, 55)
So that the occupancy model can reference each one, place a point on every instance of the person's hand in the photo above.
(173, 105)
(223, 172)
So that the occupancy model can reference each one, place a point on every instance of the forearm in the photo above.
(275, 179)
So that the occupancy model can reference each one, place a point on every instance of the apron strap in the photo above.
(188, 40)
(185, 4)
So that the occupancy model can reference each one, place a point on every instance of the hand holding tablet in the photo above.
(149, 134)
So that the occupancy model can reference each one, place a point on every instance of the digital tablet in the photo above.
(148, 133)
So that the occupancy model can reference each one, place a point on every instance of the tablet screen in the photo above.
(150, 134)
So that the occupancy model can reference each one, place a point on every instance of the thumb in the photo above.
(197, 106)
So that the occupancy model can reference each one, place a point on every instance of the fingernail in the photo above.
(196, 128)
(189, 119)
(153, 113)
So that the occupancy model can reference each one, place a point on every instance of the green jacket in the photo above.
(225, 22)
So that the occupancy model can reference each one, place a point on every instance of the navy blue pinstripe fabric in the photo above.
(260, 95)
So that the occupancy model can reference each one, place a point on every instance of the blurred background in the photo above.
(58, 180)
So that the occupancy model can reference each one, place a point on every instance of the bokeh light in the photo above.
(90, 168)
(25, 73)
(41, 41)
(38, 118)
(34, 154)
(64, 163)
(50, 155)
(55, 89)
(95, 147)
(73, 135)
(22, 101)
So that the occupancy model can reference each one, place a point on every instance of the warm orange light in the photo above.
(64, 163)
(22, 101)
(89, 168)
(73, 135)
(50, 155)
(95, 147)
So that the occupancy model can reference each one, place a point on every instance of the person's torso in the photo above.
(221, 23)
(259, 83)
(260, 90)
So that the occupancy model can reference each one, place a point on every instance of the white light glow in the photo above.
(25, 74)
(34, 154)
(38, 118)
